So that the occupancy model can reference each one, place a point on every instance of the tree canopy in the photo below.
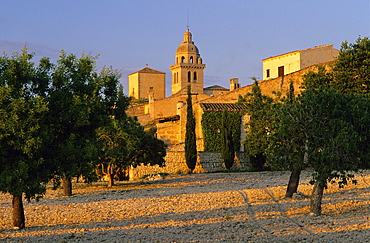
(80, 100)
(22, 133)
(351, 70)
(258, 108)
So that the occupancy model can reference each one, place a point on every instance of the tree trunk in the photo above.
(109, 172)
(293, 182)
(18, 212)
(110, 179)
(67, 185)
(316, 198)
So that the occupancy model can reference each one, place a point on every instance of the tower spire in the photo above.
(187, 21)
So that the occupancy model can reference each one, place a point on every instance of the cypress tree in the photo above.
(227, 150)
(190, 140)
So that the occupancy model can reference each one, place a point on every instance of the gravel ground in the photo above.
(215, 207)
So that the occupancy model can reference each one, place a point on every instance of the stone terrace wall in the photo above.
(206, 162)
(212, 162)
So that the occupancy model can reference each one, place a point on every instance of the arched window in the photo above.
(182, 59)
(191, 59)
(189, 77)
(195, 77)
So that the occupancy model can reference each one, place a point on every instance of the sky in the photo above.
(233, 36)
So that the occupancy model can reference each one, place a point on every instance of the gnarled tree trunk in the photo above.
(293, 182)
(67, 185)
(18, 212)
(316, 198)
(109, 172)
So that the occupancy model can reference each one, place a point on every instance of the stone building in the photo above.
(290, 62)
(169, 114)
(145, 82)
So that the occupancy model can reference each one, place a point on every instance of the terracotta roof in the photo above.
(216, 87)
(217, 107)
(298, 51)
(148, 70)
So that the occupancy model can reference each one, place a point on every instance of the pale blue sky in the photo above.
(233, 36)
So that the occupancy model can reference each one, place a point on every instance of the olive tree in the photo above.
(80, 101)
(324, 128)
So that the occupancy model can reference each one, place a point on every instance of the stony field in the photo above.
(215, 207)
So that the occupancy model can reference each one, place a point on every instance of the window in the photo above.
(191, 59)
(150, 88)
(267, 73)
(281, 71)
(189, 77)
(195, 77)
(182, 59)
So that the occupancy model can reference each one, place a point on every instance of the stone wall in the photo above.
(206, 162)
(169, 132)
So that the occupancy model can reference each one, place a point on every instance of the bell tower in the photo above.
(188, 67)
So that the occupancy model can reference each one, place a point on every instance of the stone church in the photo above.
(169, 114)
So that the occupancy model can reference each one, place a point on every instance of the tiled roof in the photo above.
(216, 87)
(217, 107)
(148, 70)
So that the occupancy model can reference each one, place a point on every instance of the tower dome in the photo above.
(187, 46)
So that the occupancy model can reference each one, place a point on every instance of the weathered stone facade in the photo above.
(147, 81)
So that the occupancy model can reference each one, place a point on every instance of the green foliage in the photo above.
(148, 150)
(286, 141)
(329, 126)
(125, 143)
(80, 101)
(351, 70)
(259, 110)
(227, 145)
(316, 79)
(334, 141)
(211, 124)
(349, 74)
(22, 133)
(190, 137)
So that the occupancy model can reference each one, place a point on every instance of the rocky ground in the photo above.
(216, 207)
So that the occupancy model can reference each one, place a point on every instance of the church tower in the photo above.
(188, 67)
